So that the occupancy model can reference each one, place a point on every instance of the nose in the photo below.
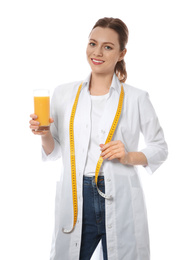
(98, 51)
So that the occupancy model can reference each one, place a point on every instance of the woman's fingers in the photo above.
(111, 147)
(113, 150)
(112, 154)
(34, 125)
(33, 116)
(51, 120)
(108, 145)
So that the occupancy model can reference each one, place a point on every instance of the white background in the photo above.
(42, 45)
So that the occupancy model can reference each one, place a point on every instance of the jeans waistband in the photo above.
(91, 180)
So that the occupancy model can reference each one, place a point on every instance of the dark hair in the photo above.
(120, 27)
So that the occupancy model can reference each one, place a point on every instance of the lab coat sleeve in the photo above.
(156, 149)
(56, 153)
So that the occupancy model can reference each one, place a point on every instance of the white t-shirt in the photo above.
(97, 109)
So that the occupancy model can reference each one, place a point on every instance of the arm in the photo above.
(116, 149)
(46, 136)
(51, 149)
(156, 150)
(137, 158)
(48, 143)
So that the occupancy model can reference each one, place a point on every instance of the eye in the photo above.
(108, 47)
(92, 44)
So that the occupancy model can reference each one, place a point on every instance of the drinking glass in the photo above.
(42, 108)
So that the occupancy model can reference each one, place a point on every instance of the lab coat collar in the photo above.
(115, 85)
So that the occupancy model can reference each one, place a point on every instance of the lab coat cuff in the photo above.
(153, 159)
(54, 155)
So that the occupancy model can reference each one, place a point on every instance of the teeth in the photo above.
(98, 61)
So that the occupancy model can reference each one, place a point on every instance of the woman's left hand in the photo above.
(114, 150)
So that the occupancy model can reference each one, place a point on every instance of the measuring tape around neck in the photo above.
(100, 161)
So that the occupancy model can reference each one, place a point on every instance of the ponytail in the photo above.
(120, 70)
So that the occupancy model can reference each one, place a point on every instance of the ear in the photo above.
(122, 54)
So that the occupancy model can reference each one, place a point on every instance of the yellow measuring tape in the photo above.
(100, 161)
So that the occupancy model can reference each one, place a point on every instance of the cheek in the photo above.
(113, 59)
(88, 51)
(116, 59)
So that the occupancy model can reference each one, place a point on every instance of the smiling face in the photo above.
(103, 50)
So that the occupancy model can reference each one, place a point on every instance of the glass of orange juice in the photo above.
(42, 108)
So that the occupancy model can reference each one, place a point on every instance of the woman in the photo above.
(96, 128)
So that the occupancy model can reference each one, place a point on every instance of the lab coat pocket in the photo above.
(140, 217)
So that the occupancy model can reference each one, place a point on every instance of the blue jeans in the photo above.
(93, 227)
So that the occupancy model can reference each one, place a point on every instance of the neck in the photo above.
(100, 84)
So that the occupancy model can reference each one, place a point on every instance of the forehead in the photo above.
(104, 35)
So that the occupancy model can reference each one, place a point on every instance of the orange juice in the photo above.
(42, 110)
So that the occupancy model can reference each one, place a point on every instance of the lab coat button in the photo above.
(109, 226)
(108, 179)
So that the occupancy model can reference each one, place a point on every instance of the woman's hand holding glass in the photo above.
(34, 125)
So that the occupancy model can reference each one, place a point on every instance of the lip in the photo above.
(97, 61)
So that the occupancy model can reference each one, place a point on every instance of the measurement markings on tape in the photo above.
(72, 161)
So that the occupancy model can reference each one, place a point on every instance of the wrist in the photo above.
(129, 159)
(46, 135)
(48, 142)
(136, 158)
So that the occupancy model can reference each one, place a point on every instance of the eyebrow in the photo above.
(103, 42)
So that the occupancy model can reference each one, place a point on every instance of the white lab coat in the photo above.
(126, 219)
